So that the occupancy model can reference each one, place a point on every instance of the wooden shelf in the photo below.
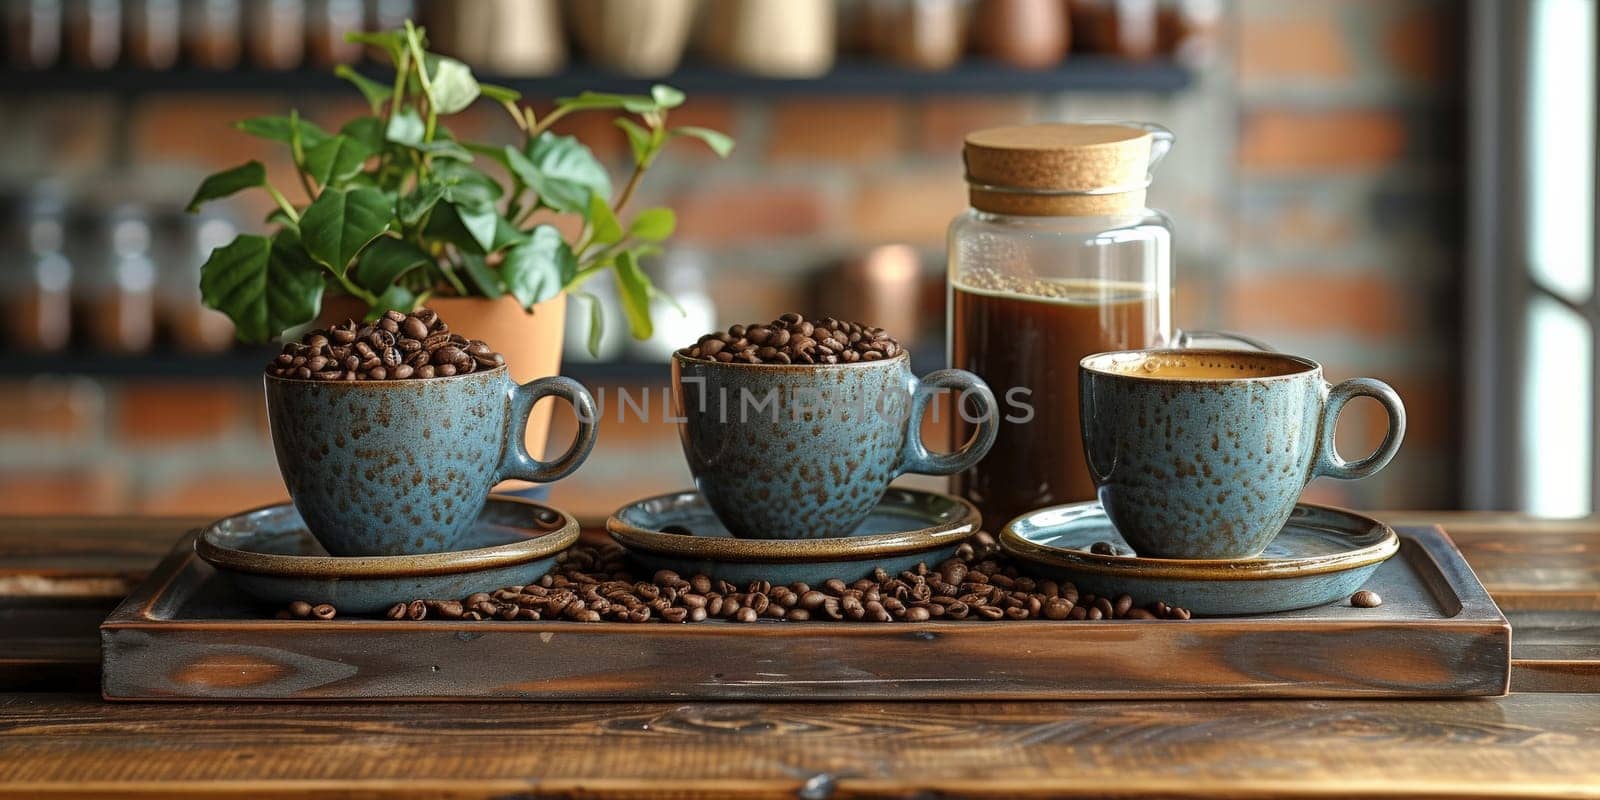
(246, 363)
(854, 77)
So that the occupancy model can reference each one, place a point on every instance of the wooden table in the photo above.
(58, 577)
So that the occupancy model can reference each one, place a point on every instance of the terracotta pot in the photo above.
(531, 343)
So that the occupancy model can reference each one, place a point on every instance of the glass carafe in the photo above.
(1057, 258)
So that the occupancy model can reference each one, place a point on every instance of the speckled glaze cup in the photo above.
(794, 451)
(388, 468)
(1203, 453)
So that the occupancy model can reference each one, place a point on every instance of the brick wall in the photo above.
(1315, 187)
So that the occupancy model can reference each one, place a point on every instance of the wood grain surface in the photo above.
(1553, 608)
(185, 634)
(1522, 745)
(1542, 741)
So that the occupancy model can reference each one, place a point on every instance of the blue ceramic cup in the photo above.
(795, 451)
(1204, 453)
(387, 468)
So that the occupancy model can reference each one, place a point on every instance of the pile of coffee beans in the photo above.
(395, 346)
(793, 339)
(592, 584)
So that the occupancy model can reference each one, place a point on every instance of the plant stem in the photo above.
(627, 191)
(305, 183)
(582, 275)
(402, 65)
(344, 282)
(415, 43)
(449, 271)
(283, 202)
(550, 119)
(516, 115)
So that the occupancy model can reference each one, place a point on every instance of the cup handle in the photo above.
(1328, 461)
(515, 462)
(1186, 340)
(915, 457)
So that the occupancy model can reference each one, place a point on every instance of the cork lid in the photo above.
(1062, 169)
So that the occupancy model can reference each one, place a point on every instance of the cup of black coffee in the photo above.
(390, 434)
(793, 429)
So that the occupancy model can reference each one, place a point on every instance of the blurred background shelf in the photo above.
(849, 77)
(245, 363)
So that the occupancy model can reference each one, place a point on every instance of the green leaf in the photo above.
(406, 128)
(245, 176)
(264, 286)
(336, 160)
(385, 260)
(485, 280)
(587, 101)
(607, 230)
(719, 142)
(396, 297)
(366, 130)
(451, 86)
(597, 322)
(277, 217)
(640, 141)
(654, 224)
(480, 221)
(388, 40)
(282, 129)
(341, 222)
(413, 207)
(537, 269)
(377, 94)
(636, 290)
(562, 171)
(444, 148)
(506, 234)
(666, 96)
(466, 180)
(499, 94)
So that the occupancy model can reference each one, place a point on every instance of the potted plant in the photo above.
(398, 214)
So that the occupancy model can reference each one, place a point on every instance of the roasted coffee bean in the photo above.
(1366, 598)
(300, 609)
(591, 584)
(396, 611)
(792, 338)
(395, 347)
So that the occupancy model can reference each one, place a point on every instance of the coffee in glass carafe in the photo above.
(1058, 258)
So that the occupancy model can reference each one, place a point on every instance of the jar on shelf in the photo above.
(182, 244)
(154, 29)
(1188, 30)
(1031, 34)
(116, 290)
(94, 33)
(38, 287)
(277, 33)
(1122, 28)
(928, 35)
(33, 33)
(502, 37)
(327, 22)
(212, 33)
(1057, 258)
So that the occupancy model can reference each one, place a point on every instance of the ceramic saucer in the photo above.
(680, 532)
(269, 555)
(1322, 555)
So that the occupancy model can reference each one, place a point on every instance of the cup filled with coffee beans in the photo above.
(391, 433)
(794, 428)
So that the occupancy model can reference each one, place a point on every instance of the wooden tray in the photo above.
(185, 634)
